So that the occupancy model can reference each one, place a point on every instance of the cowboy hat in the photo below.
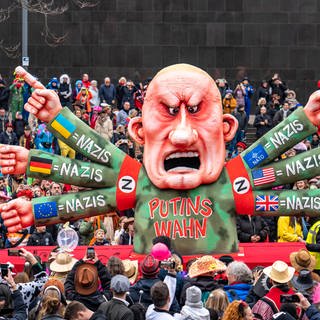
(279, 272)
(303, 281)
(86, 279)
(62, 263)
(302, 259)
(131, 269)
(204, 265)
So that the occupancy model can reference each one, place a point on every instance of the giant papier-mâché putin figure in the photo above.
(184, 189)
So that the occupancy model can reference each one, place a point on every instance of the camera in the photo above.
(90, 253)
(167, 264)
(289, 298)
(4, 270)
(14, 252)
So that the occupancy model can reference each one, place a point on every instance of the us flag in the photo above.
(263, 176)
(267, 203)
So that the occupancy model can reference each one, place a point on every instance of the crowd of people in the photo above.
(203, 289)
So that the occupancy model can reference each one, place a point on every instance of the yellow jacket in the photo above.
(286, 233)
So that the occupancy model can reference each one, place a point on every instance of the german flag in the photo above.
(41, 165)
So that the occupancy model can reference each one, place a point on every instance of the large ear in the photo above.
(230, 127)
(135, 130)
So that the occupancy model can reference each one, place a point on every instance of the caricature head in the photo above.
(183, 129)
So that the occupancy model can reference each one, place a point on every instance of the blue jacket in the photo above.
(313, 313)
(237, 291)
(107, 94)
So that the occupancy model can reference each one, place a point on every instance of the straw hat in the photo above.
(279, 272)
(131, 269)
(302, 259)
(86, 279)
(204, 265)
(62, 263)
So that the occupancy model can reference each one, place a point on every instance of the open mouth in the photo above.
(180, 161)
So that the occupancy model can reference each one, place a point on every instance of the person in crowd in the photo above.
(290, 229)
(238, 310)
(117, 308)
(262, 122)
(82, 282)
(280, 274)
(44, 139)
(85, 80)
(239, 93)
(16, 97)
(40, 237)
(240, 147)
(107, 92)
(115, 266)
(119, 92)
(315, 141)
(123, 114)
(53, 84)
(104, 124)
(95, 100)
(100, 238)
(11, 302)
(264, 90)
(76, 310)
(127, 93)
(126, 238)
(248, 95)
(229, 103)
(239, 281)
(3, 119)
(76, 91)
(4, 95)
(96, 111)
(60, 266)
(252, 229)
(9, 136)
(27, 140)
(119, 229)
(282, 114)
(278, 87)
(304, 283)
(222, 85)
(131, 270)
(262, 102)
(65, 91)
(217, 303)
(84, 97)
(87, 228)
(291, 99)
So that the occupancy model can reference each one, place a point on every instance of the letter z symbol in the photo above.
(241, 185)
(126, 184)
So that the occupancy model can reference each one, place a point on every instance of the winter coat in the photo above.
(20, 309)
(242, 119)
(107, 94)
(313, 313)
(116, 309)
(128, 95)
(122, 118)
(94, 300)
(229, 105)
(95, 100)
(19, 125)
(6, 138)
(104, 127)
(52, 317)
(189, 313)
(4, 97)
(286, 233)
(154, 313)
(247, 228)
(237, 291)
(279, 116)
(262, 129)
(40, 239)
(65, 90)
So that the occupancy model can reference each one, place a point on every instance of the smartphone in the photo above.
(289, 298)
(14, 252)
(4, 270)
(167, 264)
(90, 253)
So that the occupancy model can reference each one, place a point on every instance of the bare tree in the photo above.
(45, 8)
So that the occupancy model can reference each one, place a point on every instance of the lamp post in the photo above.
(25, 57)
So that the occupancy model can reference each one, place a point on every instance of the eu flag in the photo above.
(45, 210)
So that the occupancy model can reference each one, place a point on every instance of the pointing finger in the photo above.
(28, 78)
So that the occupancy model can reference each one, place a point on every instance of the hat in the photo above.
(204, 265)
(242, 145)
(27, 128)
(303, 281)
(279, 272)
(9, 125)
(226, 259)
(229, 91)
(160, 251)
(149, 266)
(86, 279)
(54, 283)
(245, 78)
(104, 105)
(131, 269)
(4, 196)
(193, 297)
(302, 259)
(97, 108)
(282, 316)
(120, 284)
(62, 263)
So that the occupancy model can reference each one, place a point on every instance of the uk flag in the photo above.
(267, 203)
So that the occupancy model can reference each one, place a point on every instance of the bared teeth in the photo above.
(189, 154)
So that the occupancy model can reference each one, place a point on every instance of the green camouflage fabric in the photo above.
(199, 221)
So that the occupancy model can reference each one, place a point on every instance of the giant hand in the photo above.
(43, 103)
(13, 159)
(17, 214)
(312, 108)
